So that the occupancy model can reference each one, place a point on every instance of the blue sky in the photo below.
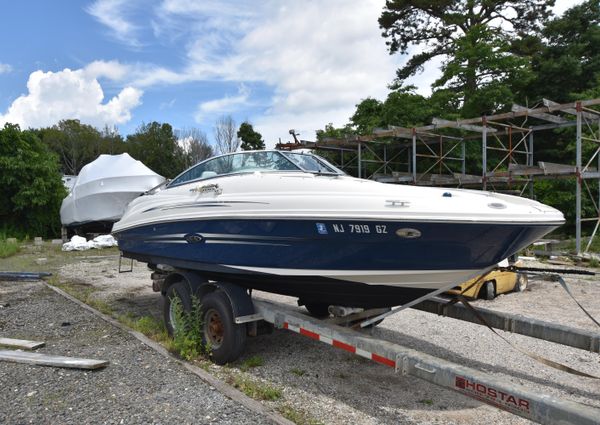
(277, 64)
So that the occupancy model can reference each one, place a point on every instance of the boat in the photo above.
(102, 190)
(293, 224)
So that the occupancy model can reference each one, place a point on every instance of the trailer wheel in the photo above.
(318, 310)
(223, 337)
(181, 291)
(489, 290)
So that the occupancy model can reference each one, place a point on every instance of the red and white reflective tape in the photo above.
(340, 344)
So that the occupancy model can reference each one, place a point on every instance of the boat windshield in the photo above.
(248, 162)
(312, 164)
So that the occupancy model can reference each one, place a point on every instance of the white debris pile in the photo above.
(79, 243)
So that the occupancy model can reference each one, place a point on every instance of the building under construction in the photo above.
(495, 152)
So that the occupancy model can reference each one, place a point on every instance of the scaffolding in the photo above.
(436, 154)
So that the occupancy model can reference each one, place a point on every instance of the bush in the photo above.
(31, 190)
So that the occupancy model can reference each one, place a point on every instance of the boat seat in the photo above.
(207, 174)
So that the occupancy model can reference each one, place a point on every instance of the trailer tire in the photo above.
(177, 290)
(317, 310)
(521, 283)
(489, 290)
(222, 336)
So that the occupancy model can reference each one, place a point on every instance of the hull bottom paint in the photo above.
(354, 263)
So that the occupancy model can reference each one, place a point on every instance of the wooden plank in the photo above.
(21, 343)
(557, 119)
(49, 360)
(458, 124)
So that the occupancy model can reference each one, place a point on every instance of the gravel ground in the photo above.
(139, 386)
(333, 387)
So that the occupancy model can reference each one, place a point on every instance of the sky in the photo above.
(278, 64)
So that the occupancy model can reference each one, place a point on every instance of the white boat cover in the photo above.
(104, 187)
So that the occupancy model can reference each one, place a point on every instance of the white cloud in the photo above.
(66, 94)
(226, 104)
(5, 68)
(112, 14)
(319, 58)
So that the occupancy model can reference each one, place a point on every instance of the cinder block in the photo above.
(56, 242)
(37, 240)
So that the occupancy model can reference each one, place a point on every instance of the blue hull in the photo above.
(220, 249)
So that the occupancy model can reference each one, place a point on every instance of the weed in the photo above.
(7, 248)
(593, 262)
(251, 362)
(187, 330)
(426, 401)
(298, 372)
(255, 390)
(296, 416)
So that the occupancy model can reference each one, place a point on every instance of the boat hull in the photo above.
(358, 263)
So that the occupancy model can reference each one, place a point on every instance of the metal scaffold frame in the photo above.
(436, 154)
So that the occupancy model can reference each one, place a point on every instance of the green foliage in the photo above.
(251, 139)
(31, 190)
(254, 361)
(78, 144)
(480, 65)
(187, 338)
(8, 248)
(255, 390)
(156, 146)
(567, 64)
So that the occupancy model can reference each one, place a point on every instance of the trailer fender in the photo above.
(193, 280)
(239, 298)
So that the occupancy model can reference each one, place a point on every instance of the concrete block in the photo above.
(56, 242)
(11, 240)
(37, 240)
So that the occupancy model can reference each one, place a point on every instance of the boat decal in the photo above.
(200, 205)
(234, 242)
(194, 238)
(207, 188)
(321, 228)
(407, 233)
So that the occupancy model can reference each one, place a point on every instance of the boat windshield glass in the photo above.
(312, 163)
(244, 162)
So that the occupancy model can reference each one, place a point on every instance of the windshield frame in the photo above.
(297, 167)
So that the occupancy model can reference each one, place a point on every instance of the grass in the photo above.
(253, 389)
(251, 362)
(8, 249)
(296, 416)
(298, 372)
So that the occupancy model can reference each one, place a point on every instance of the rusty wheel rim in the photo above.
(214, 329)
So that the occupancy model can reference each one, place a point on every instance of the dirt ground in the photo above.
(331, 386)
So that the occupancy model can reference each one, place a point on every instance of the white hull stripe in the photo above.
(340, 344)
(402, 278)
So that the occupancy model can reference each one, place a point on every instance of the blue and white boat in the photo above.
(293, 224)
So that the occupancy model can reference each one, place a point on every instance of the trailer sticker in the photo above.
(491, 395)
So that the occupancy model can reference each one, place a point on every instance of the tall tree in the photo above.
(31, 190)
(156, 146)
(75, 143)
(474, 37)
(195, 145)
(225, 135)
(566, 62)
(251, 139)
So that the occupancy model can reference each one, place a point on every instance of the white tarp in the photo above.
(79, 243)
(104, 187)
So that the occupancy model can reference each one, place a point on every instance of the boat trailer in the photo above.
(244, 310)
